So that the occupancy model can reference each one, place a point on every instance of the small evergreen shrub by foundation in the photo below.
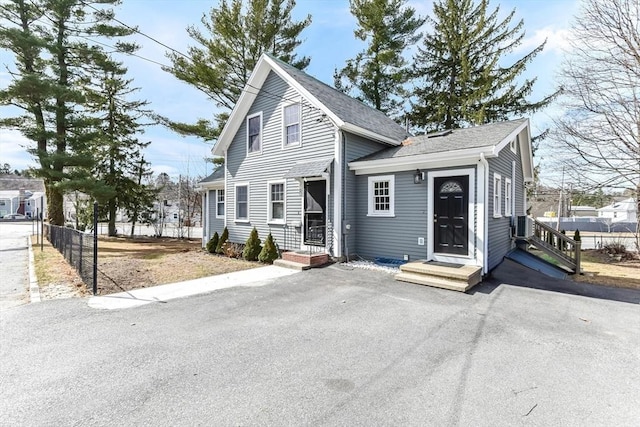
(252, 247)
(269, 252)
(222, 241)
(212, 244)
(576, 236)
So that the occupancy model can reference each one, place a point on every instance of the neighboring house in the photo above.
(21, 195)
(623, 211)
(325, 173)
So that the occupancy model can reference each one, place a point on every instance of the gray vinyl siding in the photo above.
(500, 241)
(257, 170)
(215, 224)
(354, 148)
(393, 237)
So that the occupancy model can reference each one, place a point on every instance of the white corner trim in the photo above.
(338, 156)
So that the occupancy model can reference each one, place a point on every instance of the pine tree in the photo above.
(237, 33)
(212, 244)
(53, 63)
(377, 75)
(461, 68)
(116, 149)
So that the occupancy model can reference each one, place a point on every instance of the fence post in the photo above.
(95, 248)
(42, 224)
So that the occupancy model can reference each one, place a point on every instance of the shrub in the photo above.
(576, 235)
(222, 241)
(232, 250)
(269, 252)
(252, 247)
(212, 244)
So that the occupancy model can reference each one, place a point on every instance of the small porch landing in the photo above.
(301, 260)
(454, 277)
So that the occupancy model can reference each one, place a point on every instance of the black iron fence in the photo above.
(79, 249)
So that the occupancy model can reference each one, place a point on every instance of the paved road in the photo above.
(14, 264)
(329, 347)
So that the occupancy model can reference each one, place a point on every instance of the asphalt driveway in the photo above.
(327, 347)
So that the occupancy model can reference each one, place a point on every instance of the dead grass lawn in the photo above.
(56, 278)
(125, 264)
(601, 269)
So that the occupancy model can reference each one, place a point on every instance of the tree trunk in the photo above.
(112, 218)
(54, 206)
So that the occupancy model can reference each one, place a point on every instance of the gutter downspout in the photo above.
(485, 225)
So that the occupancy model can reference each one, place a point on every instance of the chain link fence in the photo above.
(78, 248)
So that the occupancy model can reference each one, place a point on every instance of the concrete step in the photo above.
(436, 282)
(470, 274)
(291, 264)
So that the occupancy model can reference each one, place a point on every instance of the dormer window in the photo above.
(254, 133)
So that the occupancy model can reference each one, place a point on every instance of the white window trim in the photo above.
(253, 153)
(513, 145)
(224, 211)
(371, 201)
(286, 146)
(235, 201)
(508, 196)
(497, 191)
(270, 219)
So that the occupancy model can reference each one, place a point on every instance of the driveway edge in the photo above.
(34, 289)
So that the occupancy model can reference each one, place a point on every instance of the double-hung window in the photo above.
(381, 195)
(291, 114)
(277, 202)
(242, 202)
(254, 133)
(220, 204)
(507, 197)
(497, 191)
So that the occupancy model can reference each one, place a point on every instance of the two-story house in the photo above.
(325, 173)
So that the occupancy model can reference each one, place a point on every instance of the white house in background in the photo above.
(624, 211)
(583, 211)
(21, 195)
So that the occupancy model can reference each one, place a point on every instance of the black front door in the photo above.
(315, 219)
(451, 214)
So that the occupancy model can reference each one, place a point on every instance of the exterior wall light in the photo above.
(418, 177)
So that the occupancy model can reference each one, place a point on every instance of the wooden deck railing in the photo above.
(555, 244)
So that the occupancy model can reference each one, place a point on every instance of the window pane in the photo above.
(278, 210)
(254, 134)
(241, 202)
(293, 134)
(291, 114)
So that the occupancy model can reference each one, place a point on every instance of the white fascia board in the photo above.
(499, 146)
(213, 185)
(368, 134)
(248, 95)
(423, 161)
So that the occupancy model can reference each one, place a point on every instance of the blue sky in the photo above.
(328, 41)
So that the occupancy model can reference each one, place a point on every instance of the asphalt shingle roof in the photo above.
(309, 168)
(217, 175)
(15, 183)
(453, 140)
(348, 109)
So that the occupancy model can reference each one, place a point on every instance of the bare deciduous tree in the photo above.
(600, 125)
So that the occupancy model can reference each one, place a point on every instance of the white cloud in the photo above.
(13, 149)
(557, 40)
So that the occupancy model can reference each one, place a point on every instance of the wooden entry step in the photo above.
(440, 275)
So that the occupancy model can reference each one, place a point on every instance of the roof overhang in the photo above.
(211, 185)
(256, 80)
(450, 158)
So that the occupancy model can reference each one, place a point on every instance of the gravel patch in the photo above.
(368, 265)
